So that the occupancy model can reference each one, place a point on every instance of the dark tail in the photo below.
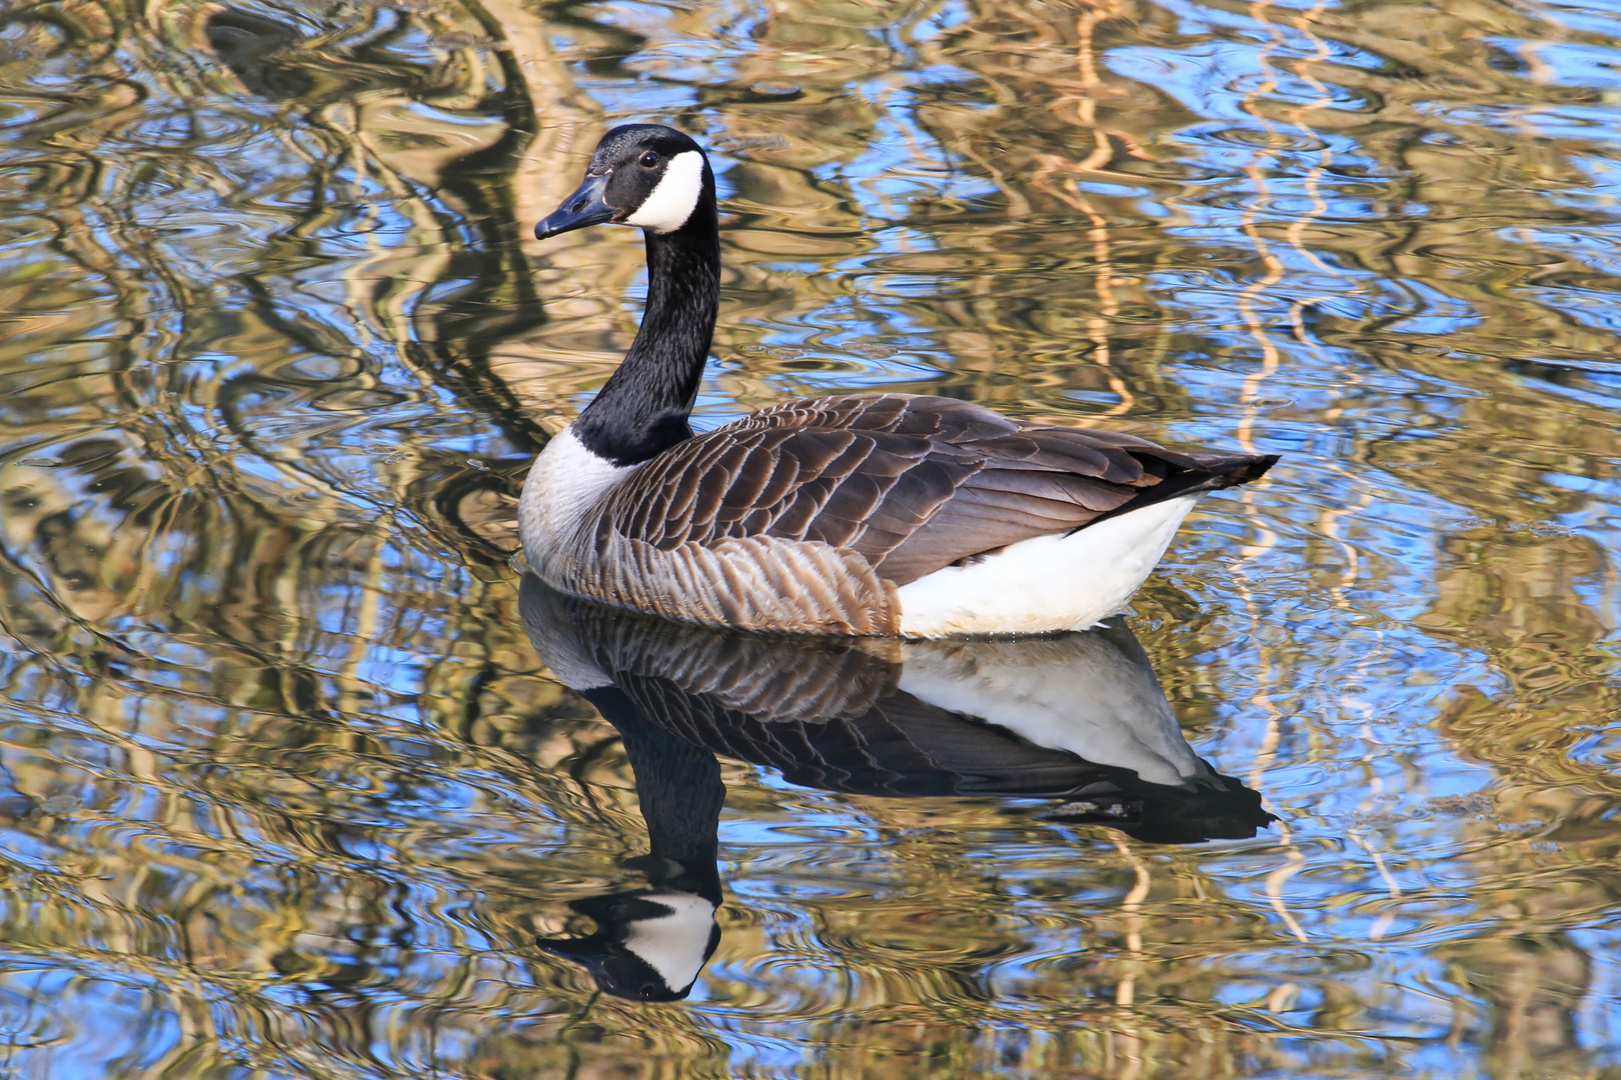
(1217, 469)
(1229, 470)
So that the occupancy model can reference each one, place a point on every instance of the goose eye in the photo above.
(650, 160)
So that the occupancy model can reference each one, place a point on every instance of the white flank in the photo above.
(674, 945)
(1047, 583)
(1084, 694)
(564, 483)
(672, 201)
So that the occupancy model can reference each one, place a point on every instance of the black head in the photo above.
(646, 175)
(649, 946)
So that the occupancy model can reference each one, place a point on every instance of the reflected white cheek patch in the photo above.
(672, 201)
(674, 945)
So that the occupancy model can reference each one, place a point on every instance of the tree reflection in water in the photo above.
(287, 791)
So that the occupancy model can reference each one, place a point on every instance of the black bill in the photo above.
(584, 207)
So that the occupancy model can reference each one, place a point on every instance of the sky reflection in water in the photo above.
(288, 792)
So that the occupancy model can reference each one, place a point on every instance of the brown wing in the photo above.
(912, 483)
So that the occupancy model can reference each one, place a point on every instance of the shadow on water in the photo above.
(1078, 720)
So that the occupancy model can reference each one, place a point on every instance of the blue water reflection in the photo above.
(286, 791)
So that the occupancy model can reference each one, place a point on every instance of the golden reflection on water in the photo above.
(286, 791)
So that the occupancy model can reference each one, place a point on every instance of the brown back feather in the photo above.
(911, 483)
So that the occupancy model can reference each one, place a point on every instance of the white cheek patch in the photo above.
(673, 200)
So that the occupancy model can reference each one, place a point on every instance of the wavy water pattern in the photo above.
(286, 791)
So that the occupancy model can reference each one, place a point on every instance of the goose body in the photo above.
(869, 514)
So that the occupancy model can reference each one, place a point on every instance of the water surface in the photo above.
(287, 791)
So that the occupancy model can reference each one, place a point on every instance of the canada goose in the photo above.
(1078, 720)
(869, 514)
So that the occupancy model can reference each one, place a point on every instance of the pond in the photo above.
(297, 774)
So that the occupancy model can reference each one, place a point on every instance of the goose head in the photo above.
(649, 945)
(646, 175)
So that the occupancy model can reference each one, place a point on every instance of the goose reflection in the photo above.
(1079, 719)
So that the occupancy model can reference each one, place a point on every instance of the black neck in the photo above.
(642, 410)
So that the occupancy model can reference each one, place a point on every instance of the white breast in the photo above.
(1047, 583)
(565, 483)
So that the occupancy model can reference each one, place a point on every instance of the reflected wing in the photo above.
(911, 483)
(899, 747)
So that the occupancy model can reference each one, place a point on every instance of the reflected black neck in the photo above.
(678, 785)
(642, 410)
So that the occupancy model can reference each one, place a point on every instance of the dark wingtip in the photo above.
(1230, 470)
(1257, 468)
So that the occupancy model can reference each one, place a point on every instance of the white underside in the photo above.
(1081, 693)
(1047, 583)
(674, 945)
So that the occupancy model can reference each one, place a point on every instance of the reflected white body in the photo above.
(1083, 694)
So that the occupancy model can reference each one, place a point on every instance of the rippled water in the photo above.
(286, 790)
